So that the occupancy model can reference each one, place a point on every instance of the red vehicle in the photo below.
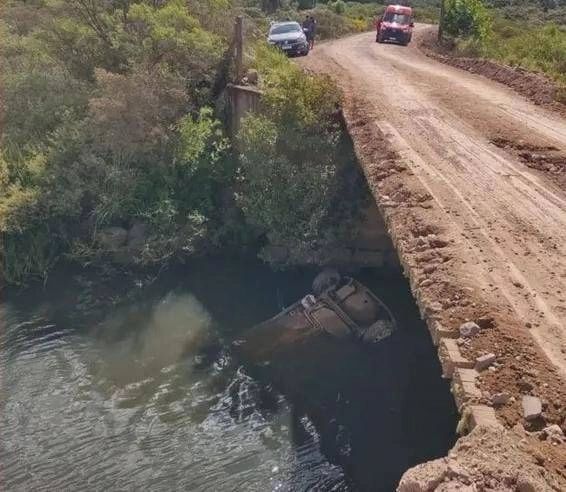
(396, 24)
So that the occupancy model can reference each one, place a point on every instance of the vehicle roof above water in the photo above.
(399, 9)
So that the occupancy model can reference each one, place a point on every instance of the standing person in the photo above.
(312, 32)
(306, 24)
(307, 28)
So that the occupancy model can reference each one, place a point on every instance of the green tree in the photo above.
(466, 18)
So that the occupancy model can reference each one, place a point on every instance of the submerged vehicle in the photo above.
(339, 307)
(396, 24)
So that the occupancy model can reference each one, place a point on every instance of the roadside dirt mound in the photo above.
(536, 87)
(547, 159)
(492, 459)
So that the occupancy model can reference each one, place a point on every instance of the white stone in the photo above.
(554, 433)
(469, 329)
(532, 407)
(484, 361)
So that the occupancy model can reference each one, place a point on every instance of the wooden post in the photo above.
(239, 34)
(441, 21)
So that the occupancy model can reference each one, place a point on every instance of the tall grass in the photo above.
(538, 49)
(541, 49)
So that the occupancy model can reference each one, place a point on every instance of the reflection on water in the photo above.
(152, 395)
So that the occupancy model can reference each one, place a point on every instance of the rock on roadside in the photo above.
(532, 407)
(484, 361)
(469, 329)
(553, 433)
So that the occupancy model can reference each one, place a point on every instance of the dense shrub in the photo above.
(292, 155)
(539, 48)
(337, 19)
(427, 14)
(108, 124)
(339, 7)
(306, 4)
(104, 125)
(536, 49)
(466, 18)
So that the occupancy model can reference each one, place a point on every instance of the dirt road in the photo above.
(454, 152)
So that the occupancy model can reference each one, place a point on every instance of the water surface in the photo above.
(137, 385)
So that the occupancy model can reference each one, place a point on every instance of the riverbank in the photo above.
(133, 161)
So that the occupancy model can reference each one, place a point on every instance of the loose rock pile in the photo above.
(487, 459)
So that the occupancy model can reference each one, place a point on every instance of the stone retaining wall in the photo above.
(454, 365)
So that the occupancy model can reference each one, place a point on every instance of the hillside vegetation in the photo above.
(530, 35)
(114, 145)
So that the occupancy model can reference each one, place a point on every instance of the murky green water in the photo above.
(149, 394)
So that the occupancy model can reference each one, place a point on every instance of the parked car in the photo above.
(289, 37)
(396, 24)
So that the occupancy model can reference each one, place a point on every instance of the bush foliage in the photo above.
(105, 126)
(467, 18)
(527, 37)
(113, 118)
(541, 49)
(292, 155)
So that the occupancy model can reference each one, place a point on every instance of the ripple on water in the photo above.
(85, 412)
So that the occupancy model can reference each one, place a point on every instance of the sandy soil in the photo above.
(470, 178)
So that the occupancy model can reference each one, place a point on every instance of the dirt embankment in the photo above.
(465, 173)
(435, 261)
(536, 87)
(488, 460)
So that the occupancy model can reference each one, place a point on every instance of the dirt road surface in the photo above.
(471, 178)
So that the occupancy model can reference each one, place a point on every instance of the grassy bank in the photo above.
(529, 36)
(541, 48)
(114, 146)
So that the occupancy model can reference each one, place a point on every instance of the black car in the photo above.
(289, 37)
